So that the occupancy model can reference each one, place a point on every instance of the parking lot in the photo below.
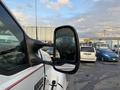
(96, 76)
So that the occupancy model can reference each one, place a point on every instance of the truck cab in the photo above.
(24, 66)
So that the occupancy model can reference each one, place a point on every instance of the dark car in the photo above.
(50, 51)
(106, 55)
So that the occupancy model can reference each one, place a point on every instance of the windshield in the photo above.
(7, 39)
(107, 50)
(50, 48)
(87, 49)
(104, 45)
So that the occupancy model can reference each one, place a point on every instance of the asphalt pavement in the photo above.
(96, 76)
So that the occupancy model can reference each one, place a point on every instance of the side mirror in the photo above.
(66, 42)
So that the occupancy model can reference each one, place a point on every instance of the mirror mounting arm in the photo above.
(35, 62)
(36, 44)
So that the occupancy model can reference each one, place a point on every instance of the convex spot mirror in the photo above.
(66, 42)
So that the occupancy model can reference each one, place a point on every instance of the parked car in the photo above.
(116, 49)
(87, 53)
(106, 55)
(101, 45)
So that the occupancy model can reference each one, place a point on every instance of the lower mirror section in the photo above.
(66, 67)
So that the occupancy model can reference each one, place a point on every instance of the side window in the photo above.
(12, 50)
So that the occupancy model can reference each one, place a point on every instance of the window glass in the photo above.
(107, 50)
(7, 39)
(11, 44)
(87, 49)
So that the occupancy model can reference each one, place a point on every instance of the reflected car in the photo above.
(49, 50)
(106, 55)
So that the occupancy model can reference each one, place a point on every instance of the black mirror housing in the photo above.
(66, 42)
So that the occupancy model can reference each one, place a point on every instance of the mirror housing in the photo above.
(66, 42)
(66, 52)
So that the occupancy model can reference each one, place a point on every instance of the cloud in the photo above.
(21, 17)
(96, 0)
(80, 20)
(101, 0)
(25, 7)
(56, 5)
(114, 10)
(75, 21)
(103, 14)
(29, 20)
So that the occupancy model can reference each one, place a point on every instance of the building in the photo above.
(43, 33)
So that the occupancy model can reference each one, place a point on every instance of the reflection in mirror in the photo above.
(65, 44)
(66, 67)
(49, 50)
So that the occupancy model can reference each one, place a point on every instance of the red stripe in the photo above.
(17, 82)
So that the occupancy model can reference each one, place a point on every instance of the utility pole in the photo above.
(104, 32)
(36, 19)
(45, 34)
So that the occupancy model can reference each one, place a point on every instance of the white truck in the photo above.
(24, 66)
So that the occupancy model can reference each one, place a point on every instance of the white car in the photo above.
(102, 45)
(24, 66)
(87, 53)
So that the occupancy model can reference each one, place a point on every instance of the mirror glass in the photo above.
(66, 67)
(65, 44)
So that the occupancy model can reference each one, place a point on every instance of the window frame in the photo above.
(22, 66)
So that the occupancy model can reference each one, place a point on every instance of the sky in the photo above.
(91, 18)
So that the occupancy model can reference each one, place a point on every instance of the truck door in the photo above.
(15, 70)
